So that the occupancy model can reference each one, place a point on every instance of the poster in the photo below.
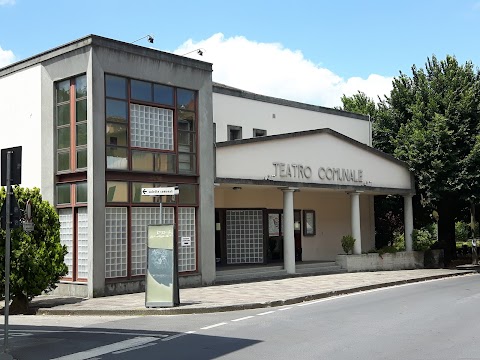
(160, 284)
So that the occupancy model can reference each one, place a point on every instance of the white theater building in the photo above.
(262, 180)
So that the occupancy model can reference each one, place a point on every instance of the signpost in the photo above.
(161, 283)
(11, 175)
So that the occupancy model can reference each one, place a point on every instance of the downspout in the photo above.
(369, 130)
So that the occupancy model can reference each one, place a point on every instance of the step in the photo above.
(316, 265)
(249, 270)
(249, 276)
(335, 269)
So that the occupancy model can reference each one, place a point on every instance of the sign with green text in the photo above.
(161, 286)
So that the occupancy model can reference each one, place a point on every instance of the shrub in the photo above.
(462, 231)
(347, 243)
(423, 239)
(37, 258)
(399, 240)
(387, 250)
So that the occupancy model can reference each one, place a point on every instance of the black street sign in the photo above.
(16, 161)
(15, 214)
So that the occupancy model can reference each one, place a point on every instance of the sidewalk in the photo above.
(241, 296)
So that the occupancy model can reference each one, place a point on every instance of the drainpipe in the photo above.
(369, 130)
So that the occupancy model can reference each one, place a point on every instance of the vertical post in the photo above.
(7, 250)
(161, 211)
(288, 231)
(356, 230)
(408, 221)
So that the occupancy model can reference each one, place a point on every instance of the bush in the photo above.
(462, 231)
(387, 250)
(37, 258)
(423, 239)
(347, 243)
(399, 240)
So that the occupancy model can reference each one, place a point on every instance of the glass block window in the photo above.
(115, 242)
(151, 127)
(66, 237)
(82, 243)
(244, 236)
(186, 228)
(141, 218)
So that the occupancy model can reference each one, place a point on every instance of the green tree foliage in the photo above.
(37, 259)
(437, 110)
(430, 120)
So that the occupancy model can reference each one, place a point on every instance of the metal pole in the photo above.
(7, 256)
(161, 212)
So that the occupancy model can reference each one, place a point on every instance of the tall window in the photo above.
(71, 121)
(141, 121)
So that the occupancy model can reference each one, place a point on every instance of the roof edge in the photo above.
(232, 91)
(96, 40)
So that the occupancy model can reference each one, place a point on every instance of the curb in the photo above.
(236, 307)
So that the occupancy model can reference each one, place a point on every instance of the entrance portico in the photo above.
(319, 183)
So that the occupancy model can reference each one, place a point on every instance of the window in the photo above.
(309, 223)
(71, 119)
(140, 128)
(259, 132)
(234, 132)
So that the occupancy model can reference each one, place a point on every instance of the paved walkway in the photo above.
(242, 296)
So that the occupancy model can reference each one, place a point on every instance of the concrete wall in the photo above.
(145, 68)
(255, 160)
(332, 215)
(250, 114)
(374, 262)
(21, 118)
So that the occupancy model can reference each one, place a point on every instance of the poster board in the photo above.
(161, 284)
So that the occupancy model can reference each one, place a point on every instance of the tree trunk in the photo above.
(19, 304)
(446, 230)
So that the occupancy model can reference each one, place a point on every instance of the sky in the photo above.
(312, 51)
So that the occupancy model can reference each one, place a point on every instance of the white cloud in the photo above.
(7, 2)
(271, 69)
(6, 57)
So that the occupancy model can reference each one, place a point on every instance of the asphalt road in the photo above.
(431, 320)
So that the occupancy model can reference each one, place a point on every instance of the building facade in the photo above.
(262, 180)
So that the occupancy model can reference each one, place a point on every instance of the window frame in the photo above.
(234, 128)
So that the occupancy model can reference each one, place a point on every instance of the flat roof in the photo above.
(232, 91)
(95, 40)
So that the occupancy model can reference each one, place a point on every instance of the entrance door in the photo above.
(275, 235)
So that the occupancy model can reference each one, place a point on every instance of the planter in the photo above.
(401, 260)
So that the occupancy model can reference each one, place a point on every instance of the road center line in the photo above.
(265, 313)
(107, 349)
(213, 326)
(243, 318)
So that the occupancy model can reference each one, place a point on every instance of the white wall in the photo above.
(332, 215)
(321, 150)
(20, 116)
(250, 114)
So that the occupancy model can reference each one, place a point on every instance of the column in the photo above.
(408, 221)
(356, 232)
(288, 231)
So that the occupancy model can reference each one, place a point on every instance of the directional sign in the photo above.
(160, 191)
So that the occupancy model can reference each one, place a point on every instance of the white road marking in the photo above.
(243, 318)
(212, 326)
(179, 335)
(265, 313)
(107, 349)
(191, 332)
(313, 302)
(96, 332)
(283, 309)
(133, 348)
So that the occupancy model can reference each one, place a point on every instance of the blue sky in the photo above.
(305, 50)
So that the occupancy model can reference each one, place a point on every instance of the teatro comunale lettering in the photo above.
(300, 171)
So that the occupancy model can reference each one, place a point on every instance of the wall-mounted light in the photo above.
(199, 51)
(150, 39)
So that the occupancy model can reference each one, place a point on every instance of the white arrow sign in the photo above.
(160, 191)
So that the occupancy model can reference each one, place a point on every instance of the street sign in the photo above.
(160, 191)
(28, 226)
(16, 166)
(15, 214)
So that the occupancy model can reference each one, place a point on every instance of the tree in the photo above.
(434, 121)
(37, 258)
